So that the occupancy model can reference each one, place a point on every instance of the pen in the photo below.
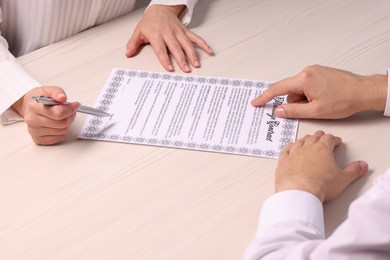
(82, 109)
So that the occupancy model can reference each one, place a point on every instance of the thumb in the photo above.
(56, 93)
(354, 171)
(296, 110)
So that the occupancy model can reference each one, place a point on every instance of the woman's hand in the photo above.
(161, 28)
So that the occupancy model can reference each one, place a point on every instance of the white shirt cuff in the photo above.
(186, 15)
(387, 108)
(14, 83)
(10, 116)
(292, 205)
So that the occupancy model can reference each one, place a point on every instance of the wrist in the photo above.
(375, 92)
(305, 188)
(176, 9)
(18, 106)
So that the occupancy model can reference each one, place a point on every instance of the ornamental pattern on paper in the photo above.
(288, 133)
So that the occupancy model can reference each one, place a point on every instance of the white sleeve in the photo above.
(387, 108)
(364, 235)
(14, 82)
(287, 220)
(186, 15)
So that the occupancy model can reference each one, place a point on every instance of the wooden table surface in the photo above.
(99, 200)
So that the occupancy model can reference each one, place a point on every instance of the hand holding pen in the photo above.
(47, 124)
(82, 109)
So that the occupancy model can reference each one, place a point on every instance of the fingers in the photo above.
(300, 110)
(160, 49)
(330, 140)
(297, 145)
(162, 29)
(186, 43)
(315, 137)
(47, 136)
(355, 170)
(133, 44)
(58, 94)
(344, 177)
(48, 124)
(59, 116)
(286, 151)
(297, 106)
(196, 39)
(47, 131)
(180, 45)
(280, 88)
(320, 137)
(49, 116)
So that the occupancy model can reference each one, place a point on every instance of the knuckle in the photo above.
(309, 72)
(29, 119)
(306, 75)
(322, 147)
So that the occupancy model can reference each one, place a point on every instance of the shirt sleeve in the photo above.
(387, 108)
(186, 15)
(364, 235)
(287, 219)
(14, 82)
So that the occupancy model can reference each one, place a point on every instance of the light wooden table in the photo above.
(99, 200)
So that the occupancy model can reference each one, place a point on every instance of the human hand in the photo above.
(309, 165)
(46, 124)
(162, 28)
(326, 93)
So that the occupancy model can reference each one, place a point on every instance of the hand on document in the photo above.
(327, 93)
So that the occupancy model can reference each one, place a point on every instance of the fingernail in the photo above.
(254, 103)
(186, 68)
(364, 166)
(196, 63)
(61, 95)
(279, 112)
(170, 67)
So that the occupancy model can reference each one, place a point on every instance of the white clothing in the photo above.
(291, 226)
(27, 25)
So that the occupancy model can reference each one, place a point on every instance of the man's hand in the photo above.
(46, 124)
(327, 93)
(309, 165)
(162, 28)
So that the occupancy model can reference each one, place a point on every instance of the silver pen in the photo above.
(82, 109)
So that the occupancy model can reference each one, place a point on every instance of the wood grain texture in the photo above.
(99, 200)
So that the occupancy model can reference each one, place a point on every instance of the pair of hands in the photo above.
(160, 27)
(322, 93)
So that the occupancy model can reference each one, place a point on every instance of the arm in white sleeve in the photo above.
(14, 82)
(186, 15)
(365, 234)
(288, 219)
(387, 108)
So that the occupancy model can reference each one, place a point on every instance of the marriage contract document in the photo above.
(189, 112)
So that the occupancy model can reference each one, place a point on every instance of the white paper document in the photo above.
(189, 112)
